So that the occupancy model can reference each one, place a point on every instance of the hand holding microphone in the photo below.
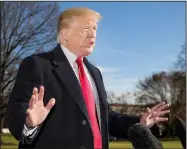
(141, 137)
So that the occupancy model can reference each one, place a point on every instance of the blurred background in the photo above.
(140, 50)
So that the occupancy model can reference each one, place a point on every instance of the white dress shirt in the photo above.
(29, 132)
(72, 58)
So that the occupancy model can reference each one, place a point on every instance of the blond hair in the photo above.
(67, 16)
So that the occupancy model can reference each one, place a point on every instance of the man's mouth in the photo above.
(91, 43)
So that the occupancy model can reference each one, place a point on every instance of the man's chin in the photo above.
(88, 52)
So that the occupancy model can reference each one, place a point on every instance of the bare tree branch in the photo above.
(181, 59)
(25, 28)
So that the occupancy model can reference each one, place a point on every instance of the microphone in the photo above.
(141, 137)
(180, 130)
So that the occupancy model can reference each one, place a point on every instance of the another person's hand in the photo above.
(37, 112)
(153, 115)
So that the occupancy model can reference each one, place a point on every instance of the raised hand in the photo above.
(37, 112)
(153, 115)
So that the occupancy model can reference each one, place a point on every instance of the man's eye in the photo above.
(95, 28)
(86, 29)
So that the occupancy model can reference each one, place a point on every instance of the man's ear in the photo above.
(64, 34)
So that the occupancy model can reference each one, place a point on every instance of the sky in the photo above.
(134, 40)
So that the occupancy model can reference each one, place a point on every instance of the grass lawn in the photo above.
(10, 143)
(126, 144)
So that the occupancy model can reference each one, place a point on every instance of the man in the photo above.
(73, 111)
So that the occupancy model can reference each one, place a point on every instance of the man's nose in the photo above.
(92, 34)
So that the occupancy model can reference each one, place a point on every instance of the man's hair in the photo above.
(67, 16)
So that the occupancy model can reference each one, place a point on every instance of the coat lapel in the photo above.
(98, 82)
(65, 73)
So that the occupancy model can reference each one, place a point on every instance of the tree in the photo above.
(111, 97)
(181, 59)
(165, 86)
(180, 64)
(120, 103)
(120, 99)
(26, 28)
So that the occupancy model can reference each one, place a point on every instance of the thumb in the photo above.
(149, 113)
(28, 112)
(50, 104)
(148, 110)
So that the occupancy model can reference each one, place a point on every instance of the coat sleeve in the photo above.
(29, 76)
(120, 123)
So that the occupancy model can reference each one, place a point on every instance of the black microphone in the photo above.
(180, 130)
(141, 137)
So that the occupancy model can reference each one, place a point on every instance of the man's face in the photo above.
(81, 35)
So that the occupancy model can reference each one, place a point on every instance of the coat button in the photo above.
(83, 147)
(83, 122)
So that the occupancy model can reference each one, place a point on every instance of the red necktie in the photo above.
(90, 103)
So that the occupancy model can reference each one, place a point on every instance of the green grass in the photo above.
(9, 147)
(10, 143)
(8, 139)
(126, 144)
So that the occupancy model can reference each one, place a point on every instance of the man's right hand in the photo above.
(37, 112)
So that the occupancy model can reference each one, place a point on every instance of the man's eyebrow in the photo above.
(88, 25)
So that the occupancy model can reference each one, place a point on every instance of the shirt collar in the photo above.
(69, 55)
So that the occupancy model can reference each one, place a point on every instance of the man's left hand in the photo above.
(153, 115)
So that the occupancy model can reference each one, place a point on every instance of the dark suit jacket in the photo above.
(67, 125)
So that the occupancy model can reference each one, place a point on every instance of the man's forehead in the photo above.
(88, 20)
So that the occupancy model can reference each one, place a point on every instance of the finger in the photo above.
(28, 112)
(149, 116)
(28, 115)
(146, 112)
(28, 118)
(32, 102)
(149, 113)
(162, 119)
(163, 107)
(157, 106)
(50, 104)
(163, 112)
(41, 93)
(35, 92)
